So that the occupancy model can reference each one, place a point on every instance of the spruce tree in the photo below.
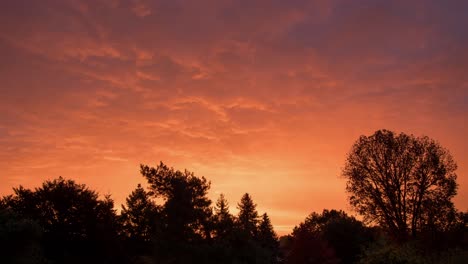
(266, 235)
(247, 218)
(139, 215)
(223, 220)
(267, 239)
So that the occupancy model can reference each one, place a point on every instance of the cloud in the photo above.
(141, 9)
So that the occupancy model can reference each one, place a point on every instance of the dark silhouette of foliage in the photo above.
(224, 232)
(346, 235)
(173, 221)
(307, 247)
(223, 221)
(247, 219)
(454, 236)
(20, 239)
(185, 213)
(139, 220)
(402, 182)
(266, 234)
(250, 247)
(268, 239)
(340, 237)
(76, 225)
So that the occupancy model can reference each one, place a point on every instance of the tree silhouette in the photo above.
(186, 206)
(267, 238)
(139, 220)
(346, 235)
(223, 221)
(247, 247)
(77, 226)
(393, 176)
(247, 219)
(402, 182)
(185, 213)
(306, 246)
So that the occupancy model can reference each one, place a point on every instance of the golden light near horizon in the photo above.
(260, 98)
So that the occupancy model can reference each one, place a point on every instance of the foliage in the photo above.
(186, 210)
(268, 239)
(173, 220)
(340, 238)
(402, 182)
(76, 225)
(20, 239)
(247, 219)
(223, 221)
(185, 213)
(139, 220)
(388, 252)
(309, 247)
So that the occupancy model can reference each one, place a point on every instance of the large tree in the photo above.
(186, 208)
(139, 218)
(77, 226)
(402, 182)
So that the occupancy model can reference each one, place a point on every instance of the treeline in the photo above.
(173, 221)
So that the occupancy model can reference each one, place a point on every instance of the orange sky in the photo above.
(264, 97)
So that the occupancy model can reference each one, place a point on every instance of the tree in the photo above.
(266, 235)
(308, 247)
(185, 214)
(77, 226)
(139, 219)
(402, 182)
(336, 237)
(247, 248)
(186, 208)
(222, 220)
(247, 218)
(267, 239)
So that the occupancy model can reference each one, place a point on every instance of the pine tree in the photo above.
(247, 218)
(222, 207)
(223, 221)
(266, 235)
(139, 215)
(268, 240)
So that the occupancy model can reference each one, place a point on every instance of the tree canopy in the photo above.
(173, 221)
(186, 209)
(340, 238)
(402, 182)
(139, 218)
(77, 226)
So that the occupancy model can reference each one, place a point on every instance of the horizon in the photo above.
(260, 99)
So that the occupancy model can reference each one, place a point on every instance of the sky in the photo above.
(264, 97)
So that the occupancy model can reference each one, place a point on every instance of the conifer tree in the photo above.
(267, 239)
(223, 220)
(139, 215)
(266, 235)
(247, 219)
